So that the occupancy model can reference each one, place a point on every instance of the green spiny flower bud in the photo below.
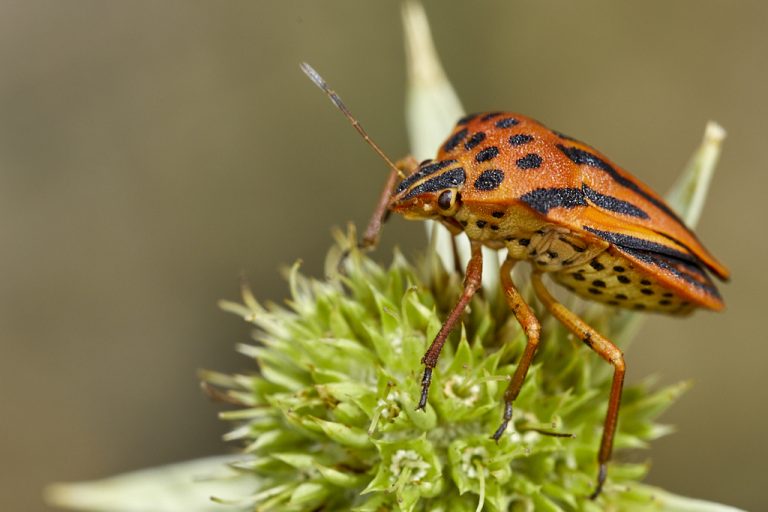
(330, 418)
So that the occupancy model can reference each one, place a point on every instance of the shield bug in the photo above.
(507, 181)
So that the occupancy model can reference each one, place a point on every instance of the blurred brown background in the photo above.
(151, 151)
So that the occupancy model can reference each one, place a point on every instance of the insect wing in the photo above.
(671, 264)
(618, 208)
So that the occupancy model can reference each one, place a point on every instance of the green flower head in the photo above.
(330, 421)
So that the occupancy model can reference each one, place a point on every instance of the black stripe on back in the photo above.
(634, 242)
(566, 137)
(544, 199)
(714, 270)
(613, 204)
(581, 157)
(690, 272)
(449, 179)
(423, 173)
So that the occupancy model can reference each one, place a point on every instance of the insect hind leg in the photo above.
(604, 349)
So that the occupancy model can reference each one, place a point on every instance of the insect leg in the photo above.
(472, 282)
(532, 328)
(604, 349)
(371, 236)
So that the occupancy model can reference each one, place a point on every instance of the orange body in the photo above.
(567, 209)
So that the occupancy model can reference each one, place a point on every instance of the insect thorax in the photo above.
(527, 237)
(586, 267)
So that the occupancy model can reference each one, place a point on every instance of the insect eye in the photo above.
(445, 200)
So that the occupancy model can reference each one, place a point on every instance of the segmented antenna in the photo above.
(318, 80)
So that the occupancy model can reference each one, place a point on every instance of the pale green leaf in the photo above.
(181, 487)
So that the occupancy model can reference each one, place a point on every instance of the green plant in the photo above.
(329, 420)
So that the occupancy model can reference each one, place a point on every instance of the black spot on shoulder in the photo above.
(489, 180)
(639, 306)
(481, 224)
(507, 122)
(529, 161)
(578, 277)
(646, 291)
(599, 283)
(665, 302)
(668, 294)
(520, 139)
(621, 296)
(645, 282)
(613, 204)
(594, 291)
(497, 215)
(490, 115)
(544, 199)
(486, 154)
(474, 140)
(623, 279)
(467, 118)
(619, 268)
(455, 140)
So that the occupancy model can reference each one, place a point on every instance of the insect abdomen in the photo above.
(612, 279)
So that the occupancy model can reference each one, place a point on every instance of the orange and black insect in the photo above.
(507, 181)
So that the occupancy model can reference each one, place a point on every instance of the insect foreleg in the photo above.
(532, 328)
(472, 282)
(604, 349)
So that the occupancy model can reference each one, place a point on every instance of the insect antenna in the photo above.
(318, 80)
